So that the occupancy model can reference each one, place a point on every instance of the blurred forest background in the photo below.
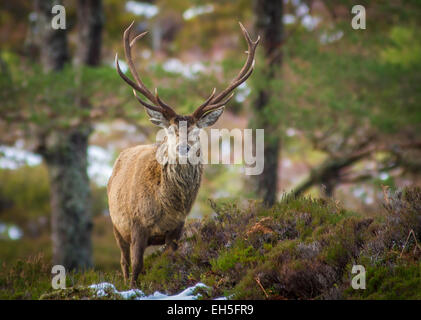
(340, 107)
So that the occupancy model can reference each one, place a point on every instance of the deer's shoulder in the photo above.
(134, 162)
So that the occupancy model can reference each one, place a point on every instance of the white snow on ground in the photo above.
(104, 288)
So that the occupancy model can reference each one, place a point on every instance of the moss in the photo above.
(229, 259)
(247, 287)
(402, 281)
(161, 273)
(70, 294)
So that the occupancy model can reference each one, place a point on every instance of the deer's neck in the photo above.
(179, 186)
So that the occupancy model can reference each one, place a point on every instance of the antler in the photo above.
(213, 102)
(158, 104)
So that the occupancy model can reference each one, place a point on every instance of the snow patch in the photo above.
(99, 167)
(142, 9)
(196, 11)
(99, 164)
(288, 19)
(105, 288)
(9, 231)
(242, 92)
(329, 38)
(15, 157)
(187, 70)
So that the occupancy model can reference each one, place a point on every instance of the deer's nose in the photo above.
(183, 149)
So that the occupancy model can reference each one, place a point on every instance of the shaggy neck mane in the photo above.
(179, 185)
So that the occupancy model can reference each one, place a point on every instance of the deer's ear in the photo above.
(157, 118)
(210, 118)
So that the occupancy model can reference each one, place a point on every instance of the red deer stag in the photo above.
(150, 199)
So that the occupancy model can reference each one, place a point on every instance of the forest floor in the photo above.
(302, 248)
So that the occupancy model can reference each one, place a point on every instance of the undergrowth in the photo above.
(302, 248)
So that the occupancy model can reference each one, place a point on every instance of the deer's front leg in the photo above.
(172, 237)
(139, 241)
(125, 254)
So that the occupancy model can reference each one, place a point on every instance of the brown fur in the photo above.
(148, 203)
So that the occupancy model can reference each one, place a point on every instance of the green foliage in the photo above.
(24, 194)
(405, 49)
(12, 251)
(43, 97)
(338, 92)
(25, 266)
(31, 279)
(25, 280)
(25, 198)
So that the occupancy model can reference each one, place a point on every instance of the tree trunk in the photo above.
(65, 151)
(52, 43)
(269, 27)
(90, 23)
(65, 156)
(66, 159)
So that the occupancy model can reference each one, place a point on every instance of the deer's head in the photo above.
(161, 114)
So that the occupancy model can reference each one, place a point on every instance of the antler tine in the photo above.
(128, 53)
(215, 102)
(139, 85)
(251, 48)
(124, 77)
(205, 104)
(138, 37)
(217, 105)
(245, 70)
(145, 104)
(163, 105)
